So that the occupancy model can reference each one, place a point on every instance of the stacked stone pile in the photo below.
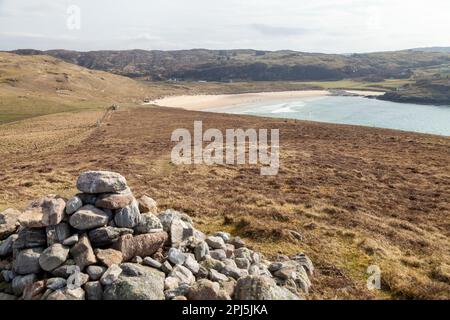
(105, 244)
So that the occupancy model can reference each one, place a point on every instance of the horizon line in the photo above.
(241, 49)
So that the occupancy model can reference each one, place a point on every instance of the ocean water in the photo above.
(356, 111)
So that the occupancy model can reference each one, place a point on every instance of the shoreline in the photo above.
(204, 101)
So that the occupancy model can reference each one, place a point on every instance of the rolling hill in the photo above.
(251, 65)
(34, 85)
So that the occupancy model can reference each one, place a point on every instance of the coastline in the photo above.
(203, 102)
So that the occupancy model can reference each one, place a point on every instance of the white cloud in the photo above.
(320, 25)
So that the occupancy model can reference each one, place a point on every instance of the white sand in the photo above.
(202, 102)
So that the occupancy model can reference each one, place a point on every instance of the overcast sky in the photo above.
(332, 26)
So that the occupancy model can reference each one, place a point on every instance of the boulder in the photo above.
(8, 275)
(20, 282)
(254, 270)
(109, 257)
(261, 288)
(87, 198)
(147, 205)
(66, 270)
(228, 287)
(210, 263)
(255, 257)
(89, 217)
(202, 273)
(229, 250)
(53, 257)
(166, 267)
(67, 294)
(70, 241)
(147, 285)
(148, 223)
(294, 273)
(141, 245)
(171, 283)
(237, 242)
(83, 279)
(275, 266)
(9, 222)
(95, 272)
(215, 242)
(34, 291)
(101, 182)
(56, 283)
(216, 276)
(82, 253)
(191, 264)
(176, 256)
(73, 205)
(111, 275)
(30, 238)
(218, 254)
(242, 263)
(201, 251)
(148, 261)
(234, 272)
(183, 274)
(27, 261)
(224, 235)
(205, 289)
(106, 236)
(169, 215)
(229, 263)
(243, 253)
(305, 262)
(6, 246)
(180, 231)
(115, 201)
(57, 233)
(94, 290)
(137, 259)
(128, 217)
(181, 291)
(43, 212)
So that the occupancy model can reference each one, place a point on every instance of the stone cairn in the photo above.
(105, 244)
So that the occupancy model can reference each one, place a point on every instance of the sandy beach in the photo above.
(203, 102)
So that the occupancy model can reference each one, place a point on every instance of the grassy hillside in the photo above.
(357, 196)
(224, 65)
(37, 85)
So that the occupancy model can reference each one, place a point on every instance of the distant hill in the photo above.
(433, 49)
(226, 65)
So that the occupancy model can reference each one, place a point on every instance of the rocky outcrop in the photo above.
(105, 244)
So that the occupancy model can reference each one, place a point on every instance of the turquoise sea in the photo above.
(356, 111)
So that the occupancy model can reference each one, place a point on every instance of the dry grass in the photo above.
(358, 196)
